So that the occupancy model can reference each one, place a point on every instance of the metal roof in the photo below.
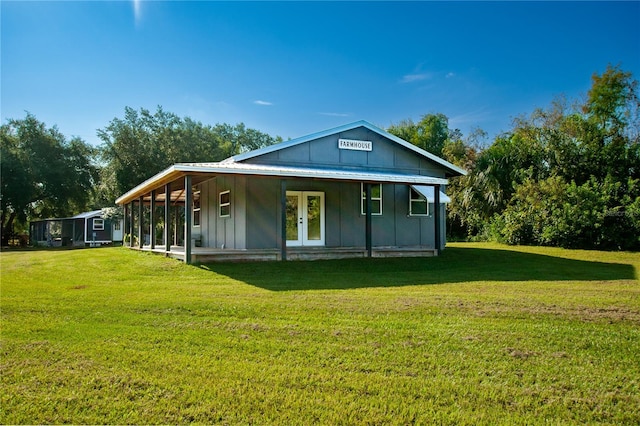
(232, 168)
(84, 215)
(428, 192)
(87, 215)
(453, 169)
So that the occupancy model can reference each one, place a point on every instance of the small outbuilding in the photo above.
(85, 229)
(351, 191)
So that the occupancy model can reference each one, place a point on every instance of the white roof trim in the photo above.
(308, 172)
(149, 183)
(280, 171)
(87, 215)
(429, 193)
(344, 128)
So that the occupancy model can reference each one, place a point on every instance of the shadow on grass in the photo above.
(453, 265)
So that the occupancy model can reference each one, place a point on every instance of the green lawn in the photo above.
(483, 334)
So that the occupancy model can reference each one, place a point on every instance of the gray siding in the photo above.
(216, 231)
(345, 225)
(263, 213)
(255, 221)
(386, 155)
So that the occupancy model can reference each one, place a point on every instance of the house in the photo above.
(354, 190)
(84, 229)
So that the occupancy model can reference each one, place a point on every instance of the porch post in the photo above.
(140, 222)
(283, 219)
(368, 218)
(152, 220)
(131, 225)
(436, 215)
(188, 208)
(124, 224)
(167, 217)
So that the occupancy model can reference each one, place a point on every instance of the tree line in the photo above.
(44, 175)
(567, 175)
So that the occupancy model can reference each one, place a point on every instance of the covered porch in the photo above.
(160, 214)
(212, 255)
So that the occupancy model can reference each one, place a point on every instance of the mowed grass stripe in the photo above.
(484, 334)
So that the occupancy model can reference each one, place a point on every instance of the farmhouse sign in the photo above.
(354, 145)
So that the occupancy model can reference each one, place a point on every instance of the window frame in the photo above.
(226, 204)
(421, 199)
(374, 200)
(96, 227)
(196, 199)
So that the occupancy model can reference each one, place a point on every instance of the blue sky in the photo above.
(294, 68)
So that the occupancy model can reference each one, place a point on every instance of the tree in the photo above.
(43, 174)
(463, 152)
(143, 143)
(430, 133)
(611, 124)
(567, 176)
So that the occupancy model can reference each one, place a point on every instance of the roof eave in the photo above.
(457, 171)
(165, 176)
(174, 172)
(294, 142)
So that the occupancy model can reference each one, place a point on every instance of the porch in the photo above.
(163, 219)
(212, 255)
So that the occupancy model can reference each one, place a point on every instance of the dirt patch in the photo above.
(406, 303)
(520, 354)
(610, 314)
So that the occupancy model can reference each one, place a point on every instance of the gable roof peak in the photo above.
(455, 170)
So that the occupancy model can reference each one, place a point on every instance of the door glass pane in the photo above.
(313, 217)
(292, 217)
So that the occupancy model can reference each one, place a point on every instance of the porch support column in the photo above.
(152, 220)
(125, 227)
(140, 222)
(188, 208)
(283, 220)
(367, 189)
(436, 215)
(167, 217)
(131, 225)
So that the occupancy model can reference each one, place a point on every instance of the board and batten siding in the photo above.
(323, 152)
(263, 216)
(216, 231)
(345, 225)
(255, 221)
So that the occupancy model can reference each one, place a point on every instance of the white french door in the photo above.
(305, 218)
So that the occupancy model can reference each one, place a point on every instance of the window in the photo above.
(98, 224)
(376, 199)
(116, 225)
(196, 207)
(418, 204)
(225, 204)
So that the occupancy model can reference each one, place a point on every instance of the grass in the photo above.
(484, 334)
